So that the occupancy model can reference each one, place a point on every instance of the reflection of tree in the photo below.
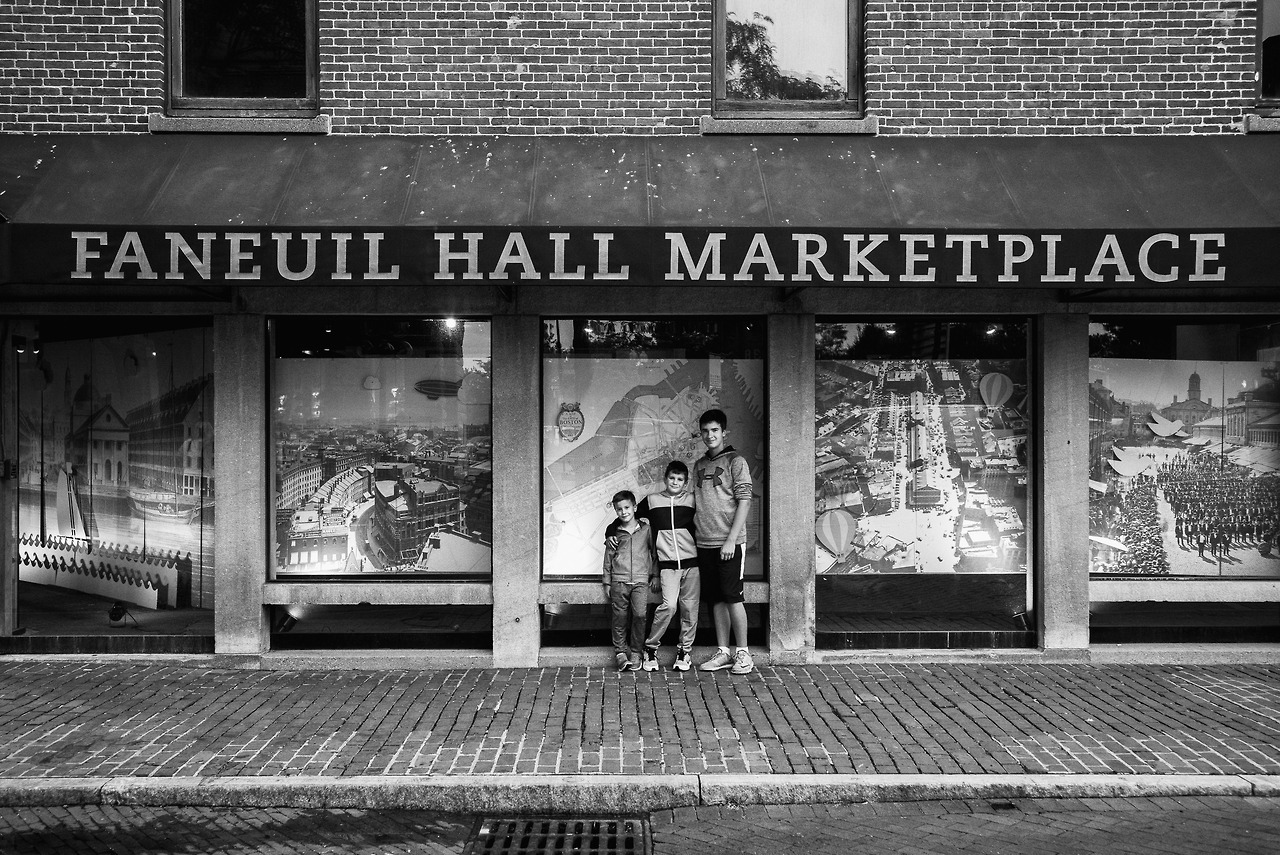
(753, 73)
(833, 341)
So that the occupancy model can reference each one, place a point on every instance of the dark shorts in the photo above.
(721, 580)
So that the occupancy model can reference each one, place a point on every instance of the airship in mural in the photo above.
(444, 378)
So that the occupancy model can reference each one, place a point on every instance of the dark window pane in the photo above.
(1270, 70)
(244, 48)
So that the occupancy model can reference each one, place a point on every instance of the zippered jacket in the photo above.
(632, 559)
(672, 521)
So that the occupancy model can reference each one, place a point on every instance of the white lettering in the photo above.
(471, 255)
(201, 263)
(340, 240)
(282, 255)
(1011, 257)
(1051, 273)
(913, 257)
(131, 252)
(1201, 272)
(858, 259)
(680, 251)
(602, 258)
(807, 257)
(758, 253)
(1109, 253)
(557, 241)
(239, 255)
(374, 239)
(516, 251)
(966, 243)
(1144, 265)
(84, 254)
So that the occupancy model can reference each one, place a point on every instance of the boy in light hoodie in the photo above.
(670, 515)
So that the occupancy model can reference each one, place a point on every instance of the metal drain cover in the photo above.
(560, 836)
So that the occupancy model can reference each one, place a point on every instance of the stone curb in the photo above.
(604, 794)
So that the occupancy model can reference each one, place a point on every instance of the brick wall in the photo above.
(520, 67)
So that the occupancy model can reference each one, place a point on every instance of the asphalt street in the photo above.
(1133, 826)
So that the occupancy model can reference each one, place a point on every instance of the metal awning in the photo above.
(723, 181)
(644, 183)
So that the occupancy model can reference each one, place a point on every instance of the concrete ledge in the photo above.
(1184, 654)
(161, 124)
(1255, 124)
(789, 125)
(606, 794)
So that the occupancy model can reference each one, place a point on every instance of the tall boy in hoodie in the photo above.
(629, 567)
(670, 513)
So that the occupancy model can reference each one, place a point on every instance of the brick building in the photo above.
(385, 227)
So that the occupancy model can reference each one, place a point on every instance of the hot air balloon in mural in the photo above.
(996, 388)
(835, 532)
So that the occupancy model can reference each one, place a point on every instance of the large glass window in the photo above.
(116, 489)
(787, 56)
(1184, 444)
(382, 443)
(621, 399)
(243, 57)
(921, 500)
(1269, 53)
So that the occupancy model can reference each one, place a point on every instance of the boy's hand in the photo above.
(611, 540)
(655, 585)
(727, 550)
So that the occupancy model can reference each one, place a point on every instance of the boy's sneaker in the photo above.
(683, 662)
(650, 659)
(742, 663)
(718, 662)
(624, 664)
(633, 664)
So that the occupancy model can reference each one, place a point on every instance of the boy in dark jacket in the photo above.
(629, 567)
(670, 513)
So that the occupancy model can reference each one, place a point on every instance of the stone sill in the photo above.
(1258, 124)
(160, 124)
(789, 125)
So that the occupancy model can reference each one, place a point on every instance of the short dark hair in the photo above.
(624, 496)
(678, 467)
(716, 416)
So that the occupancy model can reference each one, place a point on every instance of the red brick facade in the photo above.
(523, 67)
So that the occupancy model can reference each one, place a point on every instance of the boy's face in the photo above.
(626, 511)
(676, 482)
(712, 435)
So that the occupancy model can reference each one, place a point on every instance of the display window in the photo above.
(921, 503)
(116, 488)
(621, 400)
(381, 436)
(1184, 475)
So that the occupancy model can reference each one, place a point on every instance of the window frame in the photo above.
(852, 105)
(179, 104)
(1271, 103)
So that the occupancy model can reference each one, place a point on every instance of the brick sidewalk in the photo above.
(114, 719)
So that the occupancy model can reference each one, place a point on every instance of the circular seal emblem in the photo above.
(570, 421)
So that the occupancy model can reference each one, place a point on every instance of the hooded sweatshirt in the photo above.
(672, 521)
(631, 560)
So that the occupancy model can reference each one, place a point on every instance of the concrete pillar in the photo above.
(1062, 562)
(517, 485)
(243, 470)
(789, 497)
(9, 490)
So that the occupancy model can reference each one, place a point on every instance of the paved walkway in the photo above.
(88, 724)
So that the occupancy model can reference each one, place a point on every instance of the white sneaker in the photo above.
(742, 663)
(718, 662)
(683, 662)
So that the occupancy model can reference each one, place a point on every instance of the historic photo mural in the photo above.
(921, 463)
(382, 444)
(613, 420)
(116, 489)
(1184, 468)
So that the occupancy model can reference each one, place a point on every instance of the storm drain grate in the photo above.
(554, 836)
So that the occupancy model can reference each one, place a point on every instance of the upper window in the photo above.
(243, 57)
(787, 57)
(1269, 52)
